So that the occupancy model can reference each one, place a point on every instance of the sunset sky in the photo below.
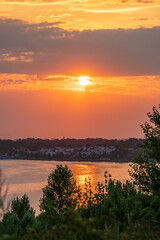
(46, 45)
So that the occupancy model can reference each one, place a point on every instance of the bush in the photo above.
(20, 216)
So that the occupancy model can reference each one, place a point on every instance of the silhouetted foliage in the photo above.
(20, 216)
(114, 211)
(61, 191)
(145, 168)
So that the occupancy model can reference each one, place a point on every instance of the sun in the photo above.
(84, 80)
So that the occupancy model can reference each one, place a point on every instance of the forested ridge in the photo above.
(35, 144)
(36, 149)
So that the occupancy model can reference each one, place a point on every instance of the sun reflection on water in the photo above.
(31, 176)
(84, 172)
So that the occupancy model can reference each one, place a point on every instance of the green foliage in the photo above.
(47, 219)
(72, 227)
(110, 204)
(20, 216)
(21, 206)
(141, 230)
(61, 191)
(146, 166)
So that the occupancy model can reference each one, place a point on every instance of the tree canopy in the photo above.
(60, 191)
(146, 166)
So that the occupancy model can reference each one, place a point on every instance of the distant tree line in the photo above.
(31, 149)
(33, 144)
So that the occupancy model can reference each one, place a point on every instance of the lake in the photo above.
(30, 176)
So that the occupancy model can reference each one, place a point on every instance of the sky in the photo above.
(46, 45)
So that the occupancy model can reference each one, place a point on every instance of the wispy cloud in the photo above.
(82, 2)
(140, 85)
(6, 56)
(119, 10)
(87, 14)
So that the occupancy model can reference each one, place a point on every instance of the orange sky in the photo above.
(46, 45)
(85, 14)
(49, 114)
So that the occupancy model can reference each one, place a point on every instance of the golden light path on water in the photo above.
(28, 176)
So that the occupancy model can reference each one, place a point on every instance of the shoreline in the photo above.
(69, 160)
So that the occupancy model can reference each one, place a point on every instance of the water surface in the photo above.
(30, 176)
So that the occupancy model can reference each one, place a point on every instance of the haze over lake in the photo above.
(30, 176)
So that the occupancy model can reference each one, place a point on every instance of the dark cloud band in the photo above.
(53, 50)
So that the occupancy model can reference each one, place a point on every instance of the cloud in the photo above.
(58, 2)
(146, 1)
(56, 78)
(51, 50)
(86, 14)
(6, 56)
(140, 85)
(122, 10)
(18, 81)
(141, 19)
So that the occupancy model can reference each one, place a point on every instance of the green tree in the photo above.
(61, 191)
(146, 166)
(20, 206)
(18, 218)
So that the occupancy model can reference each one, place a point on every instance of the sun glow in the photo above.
(84, 80)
